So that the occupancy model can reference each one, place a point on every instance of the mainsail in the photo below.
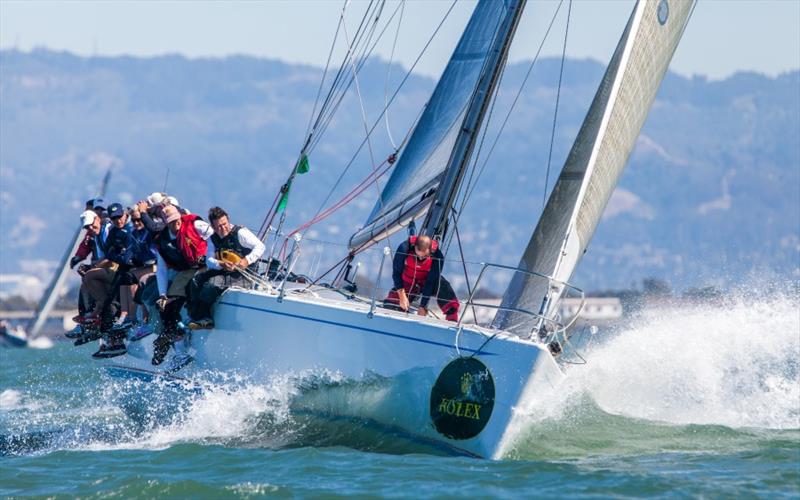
(455, 100)
(51, 294)
(596, 160)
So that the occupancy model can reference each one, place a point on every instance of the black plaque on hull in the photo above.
(462, 399)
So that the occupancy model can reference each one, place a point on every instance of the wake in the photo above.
(736, 365)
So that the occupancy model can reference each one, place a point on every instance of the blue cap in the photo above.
(115, 210)
(98, 204)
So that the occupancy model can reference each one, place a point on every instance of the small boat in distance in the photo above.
(457, 386)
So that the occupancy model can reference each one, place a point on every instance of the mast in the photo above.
(435, 223)
(595, 162)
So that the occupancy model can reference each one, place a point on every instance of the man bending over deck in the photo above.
(417, 272)
(230, 249)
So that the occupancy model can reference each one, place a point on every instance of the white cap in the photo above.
(155, 199)
(87, 218)
(173, 201)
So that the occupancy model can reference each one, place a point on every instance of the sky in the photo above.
(724, 36)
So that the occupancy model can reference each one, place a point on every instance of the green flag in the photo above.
(302, 165)
(284, 197)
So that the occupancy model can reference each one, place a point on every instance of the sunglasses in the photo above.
(136, 220)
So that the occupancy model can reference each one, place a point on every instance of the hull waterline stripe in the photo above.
(370, 330)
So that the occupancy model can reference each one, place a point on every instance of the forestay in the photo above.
(419, 169)
(596, 160)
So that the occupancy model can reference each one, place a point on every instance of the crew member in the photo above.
(181, 252)
(118, 261)
(144, 262)
(85, 250)
(95, 277)
(230, 249)
(417, 273)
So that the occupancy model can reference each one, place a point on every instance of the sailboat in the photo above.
(457, 386)
(29, 336)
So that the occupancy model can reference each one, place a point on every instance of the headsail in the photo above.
(594, 164)
(51, 294)
(408, 193)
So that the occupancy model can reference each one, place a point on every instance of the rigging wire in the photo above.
(464, 265)
(325, 72)
(470, 189)
(313, 132)
(354, 193)
(341, 92)
(555, 112)
(367, 132)
(391, 100)
(264, 229)
(320, 125)
(351, 47)
(388, 73)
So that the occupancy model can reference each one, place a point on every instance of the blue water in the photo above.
(680, 402)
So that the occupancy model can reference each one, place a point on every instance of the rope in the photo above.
(555, 112)
(373, 177)
(270, 216)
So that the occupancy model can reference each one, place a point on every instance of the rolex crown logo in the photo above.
(466, 383)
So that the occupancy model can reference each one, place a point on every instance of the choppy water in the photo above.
(694, 401)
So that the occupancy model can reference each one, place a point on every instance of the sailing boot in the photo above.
(88, 334)
(114, 345)
(450, 310)
(170, 333)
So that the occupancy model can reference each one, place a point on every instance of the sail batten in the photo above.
(596, 159)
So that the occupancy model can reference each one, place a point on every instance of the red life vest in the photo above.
(190, 243)
(415, 271)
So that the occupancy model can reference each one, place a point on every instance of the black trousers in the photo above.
(206, 287)
(445, 297)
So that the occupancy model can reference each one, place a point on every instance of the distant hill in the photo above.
(711, 194)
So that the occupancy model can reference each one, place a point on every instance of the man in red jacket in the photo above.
(417, 273)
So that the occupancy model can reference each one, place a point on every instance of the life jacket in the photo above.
(183, 252)
(142, 254)
(190, 243)
(120, 246)
(169, 251)
(231, 242)
(415, 271)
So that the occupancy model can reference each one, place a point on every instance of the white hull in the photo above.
(258, 335)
